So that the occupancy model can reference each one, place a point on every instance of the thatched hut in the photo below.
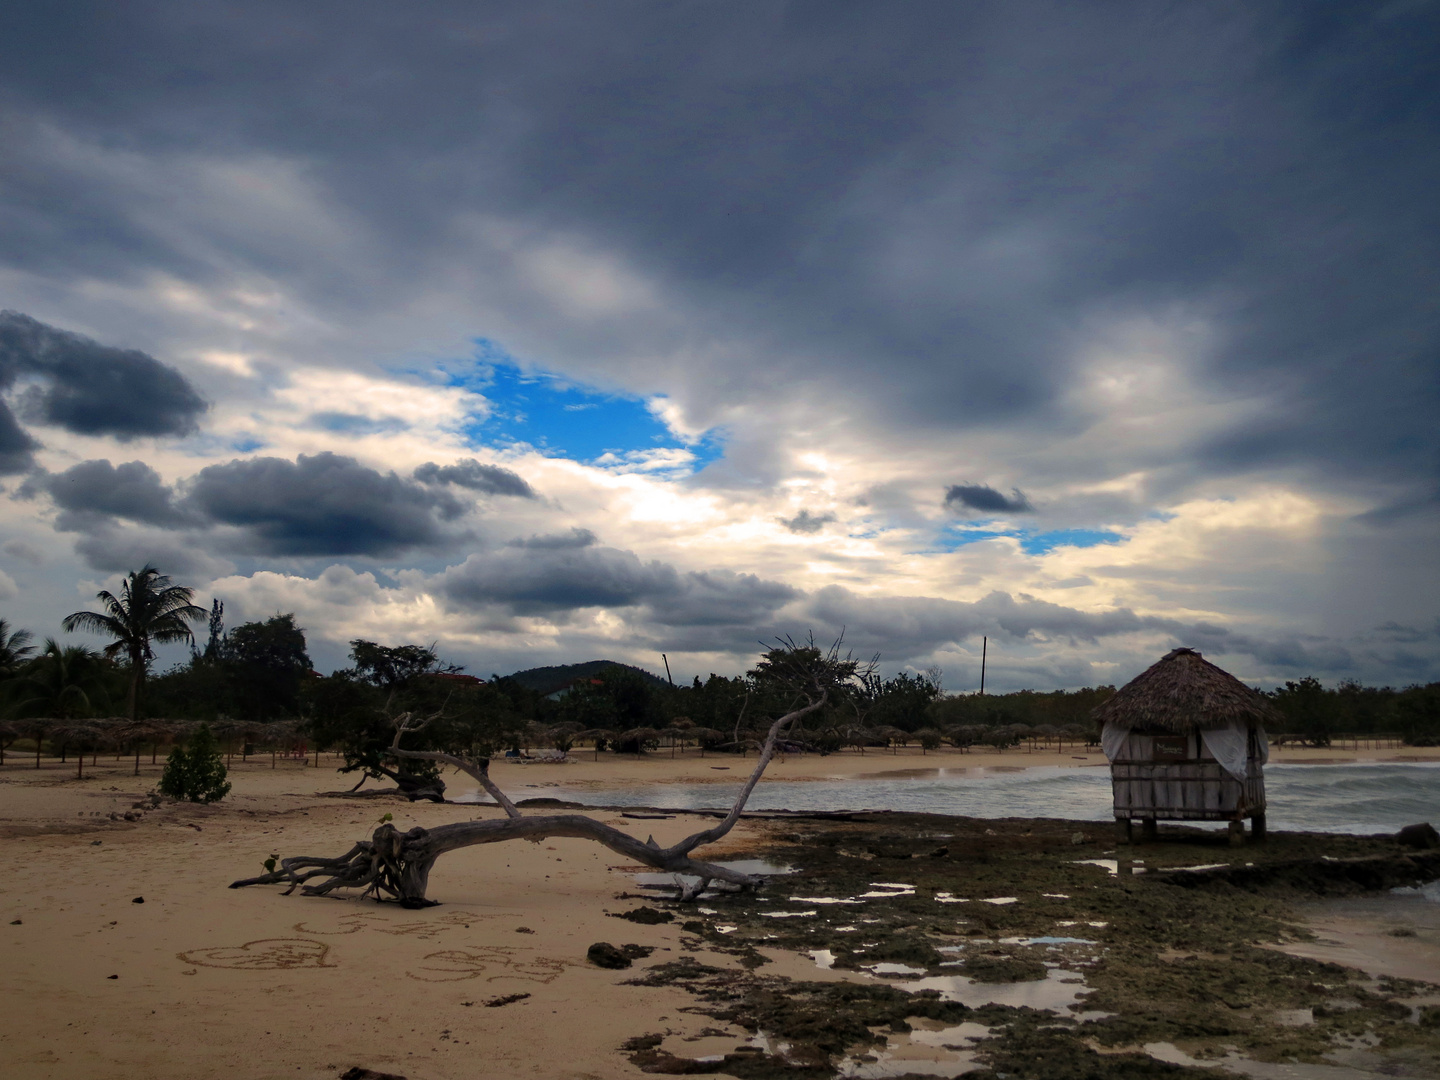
(1186, 742)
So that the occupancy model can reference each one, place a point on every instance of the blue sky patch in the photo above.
(561, 417)
(1032, 543)
(1040, 543)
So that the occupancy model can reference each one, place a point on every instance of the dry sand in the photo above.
(249, 983)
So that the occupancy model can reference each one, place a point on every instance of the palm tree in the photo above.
(149, 608)
(15, 649)
(64, 682)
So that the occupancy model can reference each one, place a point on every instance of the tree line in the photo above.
(254, 685)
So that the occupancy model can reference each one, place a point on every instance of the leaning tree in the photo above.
(395, 865)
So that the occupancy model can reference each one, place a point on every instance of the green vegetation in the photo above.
(196, 772)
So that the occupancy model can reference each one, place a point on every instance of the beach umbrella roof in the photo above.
(1183, 692)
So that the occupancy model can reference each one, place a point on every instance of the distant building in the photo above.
(456, 677)
(564, 691)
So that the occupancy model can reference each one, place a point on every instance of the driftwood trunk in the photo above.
(396, 866)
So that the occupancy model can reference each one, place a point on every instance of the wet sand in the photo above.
(1382, 935)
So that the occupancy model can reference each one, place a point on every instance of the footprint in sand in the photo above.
(265, 954)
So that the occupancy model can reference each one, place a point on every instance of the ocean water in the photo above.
(1319, 798)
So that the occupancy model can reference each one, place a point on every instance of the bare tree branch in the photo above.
(396, 865)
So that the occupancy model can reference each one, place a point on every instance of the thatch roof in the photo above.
(1183, 693)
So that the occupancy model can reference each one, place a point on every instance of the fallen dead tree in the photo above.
(396, 866)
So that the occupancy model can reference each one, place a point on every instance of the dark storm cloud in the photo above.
(986, 499)
(117, 551)
(322, 504)
(16, 447)
(915, 212)
(471, 474)
(722, 598)
(914, 625)
(552, 579)
(89, 388)
(806, 522)
(575, 538)
(556, 579)
(94, 491)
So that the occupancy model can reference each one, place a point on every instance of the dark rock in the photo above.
(498, 1002)
(138, 900)
(112, 976)
(603, 954)
(355, 1072)
(1422, 836)
(637, 952)
(646, 916)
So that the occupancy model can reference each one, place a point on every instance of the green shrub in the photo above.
(196, 772)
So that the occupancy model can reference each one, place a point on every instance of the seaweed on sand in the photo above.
(1175, 958)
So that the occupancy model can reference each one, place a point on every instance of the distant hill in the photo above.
(546, 680)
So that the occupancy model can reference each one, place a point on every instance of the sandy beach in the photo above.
(251, 983)
(200, 980)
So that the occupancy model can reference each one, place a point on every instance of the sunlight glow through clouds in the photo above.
(676, 380)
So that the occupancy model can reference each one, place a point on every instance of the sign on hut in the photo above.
(1186, 742)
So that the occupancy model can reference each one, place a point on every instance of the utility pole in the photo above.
(984, 648)
(667, 671)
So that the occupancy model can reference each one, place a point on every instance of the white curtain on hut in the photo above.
(1112, 741)
(1230, 746)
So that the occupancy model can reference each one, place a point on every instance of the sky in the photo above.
(551, 332)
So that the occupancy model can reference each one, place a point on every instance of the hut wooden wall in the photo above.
(1187, 790)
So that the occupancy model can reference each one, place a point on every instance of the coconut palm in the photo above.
(64, 682)
(15, 649)
(149, 608)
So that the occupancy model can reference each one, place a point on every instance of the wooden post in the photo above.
(1257, 828)
(1149, 831)
(1237, 833)
(1123, 832)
